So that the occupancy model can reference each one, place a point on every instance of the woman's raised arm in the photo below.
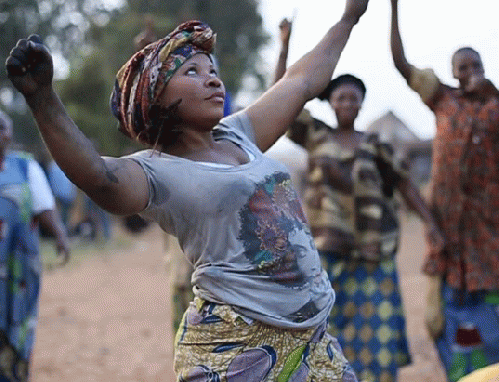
(272, 113)
(117, 185)
(396, 45)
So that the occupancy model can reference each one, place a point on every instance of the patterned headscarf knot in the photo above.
(143, 78)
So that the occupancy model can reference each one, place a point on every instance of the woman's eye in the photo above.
(191, 71)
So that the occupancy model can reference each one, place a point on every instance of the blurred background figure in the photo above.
(147, 36)
(96, 219)
(349, 200)
(94, 222)
(176, 263)
(463, 296)
(25, 202)
(64, 191)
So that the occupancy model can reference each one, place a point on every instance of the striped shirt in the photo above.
(348, 197)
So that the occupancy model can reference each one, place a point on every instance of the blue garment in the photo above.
(19, 270)
(61, 186)
(368, 317)
(471, 337)
(227, 104)
(63, 189)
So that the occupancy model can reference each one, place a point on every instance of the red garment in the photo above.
(465, 189)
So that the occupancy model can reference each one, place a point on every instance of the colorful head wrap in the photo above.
(143, 78)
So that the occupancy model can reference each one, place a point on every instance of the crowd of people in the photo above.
(267, 286)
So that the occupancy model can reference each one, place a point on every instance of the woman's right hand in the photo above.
(29, 66)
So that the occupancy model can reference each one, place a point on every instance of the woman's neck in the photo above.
(202, 147)
(348, 138)
(346, 127)
(191, 141)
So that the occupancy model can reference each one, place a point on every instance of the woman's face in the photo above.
(196, 83)
(346, 101)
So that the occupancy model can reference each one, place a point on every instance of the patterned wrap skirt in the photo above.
(470, 340)
(215, 344)
(368, 316)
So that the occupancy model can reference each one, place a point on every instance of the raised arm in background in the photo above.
(272, 113)
(296, 129)
(397, 47)
(285, 27)
(117, 185)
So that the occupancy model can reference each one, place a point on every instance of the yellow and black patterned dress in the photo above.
(351, 210)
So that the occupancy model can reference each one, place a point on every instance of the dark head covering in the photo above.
(340, 80)
(143, 78)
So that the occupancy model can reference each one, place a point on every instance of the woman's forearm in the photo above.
(280, 68)
(397, 48)
(415, 202)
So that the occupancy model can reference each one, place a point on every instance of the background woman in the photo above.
(349, 202)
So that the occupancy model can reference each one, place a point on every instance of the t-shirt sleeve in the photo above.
(156, 208)
(424, 82)
(144, 161)
(239, 123)
(41, 195)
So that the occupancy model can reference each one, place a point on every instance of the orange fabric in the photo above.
(465, 188)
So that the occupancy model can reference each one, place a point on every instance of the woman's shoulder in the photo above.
(236, 127)
(151, 158)
(140, 154)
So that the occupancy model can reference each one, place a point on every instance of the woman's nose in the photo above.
(214, 81)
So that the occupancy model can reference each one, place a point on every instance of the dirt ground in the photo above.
(106, 316)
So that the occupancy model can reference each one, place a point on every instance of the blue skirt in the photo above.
(470, 339)
(368, 316)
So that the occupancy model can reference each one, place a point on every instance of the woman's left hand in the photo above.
(63, 249)
(435, 236)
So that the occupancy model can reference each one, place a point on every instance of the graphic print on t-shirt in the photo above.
(269, 219)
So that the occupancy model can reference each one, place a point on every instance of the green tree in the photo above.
(86, 92)
(239, 29)
(97, 40)
(63, 24)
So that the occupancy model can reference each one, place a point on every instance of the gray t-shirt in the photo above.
(243, 229)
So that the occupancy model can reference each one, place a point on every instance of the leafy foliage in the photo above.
(97, 40)
(63, 25)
